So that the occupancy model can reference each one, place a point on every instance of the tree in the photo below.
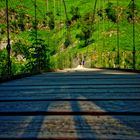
(100, 13)
(131, 11)
(21, 19)
(35, 53)
(75, 13)
(86, 30)
(67, 42)
(37, 56)
(51, 22)
(111, 13)
(3, 63)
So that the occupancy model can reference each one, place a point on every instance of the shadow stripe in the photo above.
(84, 100)
(51, 113)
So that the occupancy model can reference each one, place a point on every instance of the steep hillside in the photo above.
(71, 30)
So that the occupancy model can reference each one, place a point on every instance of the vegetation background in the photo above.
(46, 35)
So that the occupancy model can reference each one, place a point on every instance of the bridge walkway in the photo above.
(72, 104)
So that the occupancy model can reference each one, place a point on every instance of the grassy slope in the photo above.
(105, 38)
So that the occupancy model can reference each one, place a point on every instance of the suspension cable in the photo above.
(118, 43)
(134, 49)
(8, 47)
(92, 23)
(67, 20)
(37, 8)
(65, 9)
(94, 9)
(35, 16)
(103, 45)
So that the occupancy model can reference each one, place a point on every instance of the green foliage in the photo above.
(3, 62)
(51, 21)
(131, 11)
(75, 13)
(37, 55)
(55, 33)
(19, 48)
(100, 13)
(67, 42)
(86, 30)
(21, 19)
(2, 29)
(68, 23)
(111, 13)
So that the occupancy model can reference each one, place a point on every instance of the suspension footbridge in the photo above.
(100, 100)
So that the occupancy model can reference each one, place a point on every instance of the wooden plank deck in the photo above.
(71, 104)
